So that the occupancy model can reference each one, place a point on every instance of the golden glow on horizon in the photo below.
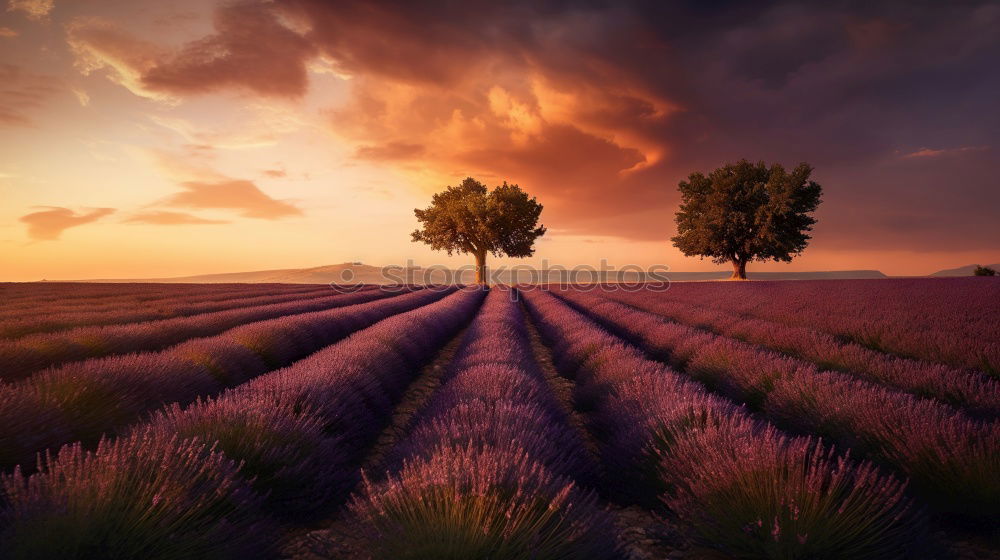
(117, 164)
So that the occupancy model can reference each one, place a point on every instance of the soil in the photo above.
(334, 537)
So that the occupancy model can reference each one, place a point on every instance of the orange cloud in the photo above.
(252, 50)
(499, 128)
(231, 194)
(166, 218)
(567, 125)
(99, 45)
(542, 107)
(37, 10)
(49, 224)
(7, 32)
(600, 109)
(389, 152)
(930, 153)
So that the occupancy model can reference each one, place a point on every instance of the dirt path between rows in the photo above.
(333, 538)
(561, 387)
(642, 534)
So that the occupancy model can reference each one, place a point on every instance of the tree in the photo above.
(744, 212)
(470, 219)
(984, 271)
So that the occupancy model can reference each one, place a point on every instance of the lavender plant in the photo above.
(486, 471)
(83, 400)
(480, 502)
(952, 460)
(150, 495)
(723, 473)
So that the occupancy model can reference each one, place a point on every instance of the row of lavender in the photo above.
(973, 391)
(21, 357)
(952, 460)
(946, 320)
(284, 444)
(81, 401)
(739, 486)
(66, 296)
(38, 319)
(491, 465)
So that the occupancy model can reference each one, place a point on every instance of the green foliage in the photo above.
(984, 271)
(471, 219)
(744, 212)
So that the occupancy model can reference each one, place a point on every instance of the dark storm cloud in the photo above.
(850, 87)
(600, 108)
(251, 48)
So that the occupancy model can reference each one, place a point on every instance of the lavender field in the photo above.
(834, 419)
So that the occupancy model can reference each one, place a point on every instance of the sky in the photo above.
(152, 139)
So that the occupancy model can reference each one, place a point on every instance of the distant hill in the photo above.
(350, 273)
(341, 273)
(964, 270)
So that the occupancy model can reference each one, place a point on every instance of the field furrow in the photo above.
(337, 538)
(286, 444)
(431, 422)
(21, 357)
(952, 461)
(562, 387)
(950, 321)
(973, 391)
(81, 297)
(46, 320)
(84, 400)
(738, 486)
(491, 466)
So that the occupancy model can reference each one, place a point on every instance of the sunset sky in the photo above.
(146, 139)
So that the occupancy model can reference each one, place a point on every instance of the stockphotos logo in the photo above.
(604, 277)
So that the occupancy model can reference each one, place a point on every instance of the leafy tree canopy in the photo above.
(747, 211)
(469, 218)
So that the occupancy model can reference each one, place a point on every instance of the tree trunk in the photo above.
(481, 269)
(739, 270)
